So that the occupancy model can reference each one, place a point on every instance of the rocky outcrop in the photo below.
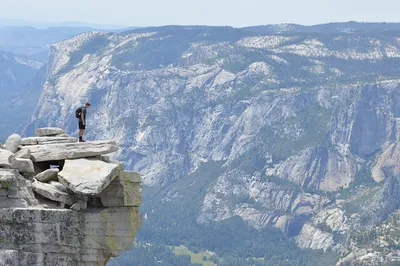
(46, 140)
(60, 211)
(319, 232)
(62, 151)
(314, 238)
(47, 175)
(49, 131)
(389, 156)
(53, 192)
(88, 177)
(362, 228)
(6, 158)
(13, 142)
(320, 168)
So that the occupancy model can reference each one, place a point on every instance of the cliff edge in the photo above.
(63, 202)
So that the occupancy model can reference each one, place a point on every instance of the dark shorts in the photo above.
(81, 125)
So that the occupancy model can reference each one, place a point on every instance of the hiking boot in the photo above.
(81, 140)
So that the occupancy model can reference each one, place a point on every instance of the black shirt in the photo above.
(83, 111)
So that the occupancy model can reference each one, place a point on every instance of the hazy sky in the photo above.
(204, 12)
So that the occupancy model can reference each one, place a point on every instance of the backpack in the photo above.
(78, 112)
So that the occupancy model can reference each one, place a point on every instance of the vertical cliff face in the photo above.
(64, 202)
(285, 125)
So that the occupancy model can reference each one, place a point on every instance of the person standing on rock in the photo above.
(80, 113)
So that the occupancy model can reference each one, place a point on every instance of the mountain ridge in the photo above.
(273, 130)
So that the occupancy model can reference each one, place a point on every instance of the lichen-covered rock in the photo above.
(88, 176)
(9, 258)
(49, 131)
(124, 190)
(13, 142)
(66, 237)
(47, 175)
(15, 190)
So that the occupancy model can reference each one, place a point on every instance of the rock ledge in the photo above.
(63, 202)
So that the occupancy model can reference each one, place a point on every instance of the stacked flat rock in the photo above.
(63, 202)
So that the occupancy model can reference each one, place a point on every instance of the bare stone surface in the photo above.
(52, 192)
(125, 190)
(63, 135)
(47, 140)
(24, 154)
(6, 158)
(48, 131)
(390, 155)
(87, 176)
(58, 185)
(63, 151)
(314, 238)
(81, 205)
(13, 142)
(47, 175)
(23, 165)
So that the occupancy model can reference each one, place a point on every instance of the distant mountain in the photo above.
(249, 143)
(324, 28)
(16, 73)
(23, 50)
(35, 43)
(69, 24)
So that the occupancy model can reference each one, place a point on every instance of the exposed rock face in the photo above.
(285, 139)
(47, 140)
(48, 175)
(122, 191)
(6, 158)
(363, 228)
(52, 192)
(16, 191)
(13, 142)
(23, 165)
(331, 221)
(314, 238)
(43, 222)
(16, 71)
(88, 177)
(24, 154)
(62, 151)
(48, 131)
